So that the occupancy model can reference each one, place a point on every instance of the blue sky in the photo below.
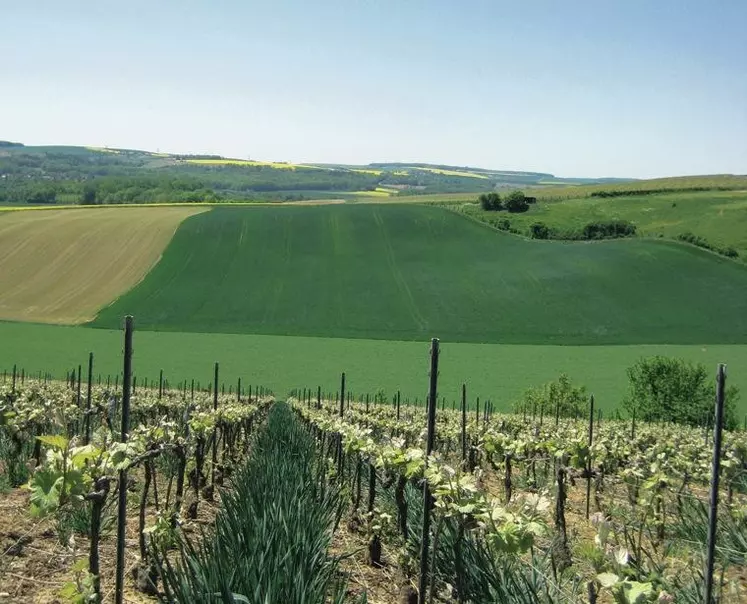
(577, 88)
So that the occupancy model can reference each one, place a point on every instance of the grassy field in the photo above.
(413, 272)
(498, 372)
(718, 216)
(713, 181)
(61, 266)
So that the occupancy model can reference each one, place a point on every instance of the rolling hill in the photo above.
(63, 174)
(404, 272)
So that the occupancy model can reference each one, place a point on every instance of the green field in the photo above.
(410, 273)
(492, 371)
(720, 217)
(712, 182)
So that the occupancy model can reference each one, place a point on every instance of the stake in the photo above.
(215, 432)
(160, 384)
(715, 471)
(341, 413)
(88, 398)
(122, 510)
(464, 423)
(427, 499)
(588, 464)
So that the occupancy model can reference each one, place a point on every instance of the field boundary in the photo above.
(231, 204)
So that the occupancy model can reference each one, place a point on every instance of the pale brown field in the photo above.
(62, 266)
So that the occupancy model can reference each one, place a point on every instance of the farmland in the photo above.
(497, 372)
(94, 175)
(242, 286)
(260, 288)
(712, 182)
(62, 266)
(405, 273)
(719, 217)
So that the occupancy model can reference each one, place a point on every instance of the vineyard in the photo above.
(116, 490)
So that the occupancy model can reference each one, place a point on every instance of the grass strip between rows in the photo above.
(272, 534)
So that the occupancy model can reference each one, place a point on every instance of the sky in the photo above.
(628, 88)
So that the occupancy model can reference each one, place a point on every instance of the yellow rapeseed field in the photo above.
(249, 162)
(62, 266)
(452, 172)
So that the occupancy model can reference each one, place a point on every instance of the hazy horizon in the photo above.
(590, 90)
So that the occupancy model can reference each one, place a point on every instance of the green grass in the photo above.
(402, 272)
(498, 372)
(719, 216)
(708, 181)
(275, 526)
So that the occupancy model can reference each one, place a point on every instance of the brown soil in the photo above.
(34, 566)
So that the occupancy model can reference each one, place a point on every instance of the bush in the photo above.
(490, 202)
(611, 229)
(516, 202)
(671, 389)
(698, 241)
(557, 396)
(539, 230)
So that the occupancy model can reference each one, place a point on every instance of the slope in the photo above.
(407, 272)
(61, 266)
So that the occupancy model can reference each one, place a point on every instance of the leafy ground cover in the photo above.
(410, 273)
(497, 372)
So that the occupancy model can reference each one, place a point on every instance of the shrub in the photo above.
(516, 202)
(671, 389)
(698, 241)
(611, 229)
(559, 395)
(490, 202)
(539, 230)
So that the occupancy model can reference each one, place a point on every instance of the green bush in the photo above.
(559, 396)
(490, 202)
(516, 202)
(610, 229)
(671, 389)
(539, 230)
(698, 241)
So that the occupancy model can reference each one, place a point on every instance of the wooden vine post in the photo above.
(715, 472)
(215, 430)
(342, 414)
(464, 424)
(588, 463)
(88, 399)
(122, 504)
(427, 498)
